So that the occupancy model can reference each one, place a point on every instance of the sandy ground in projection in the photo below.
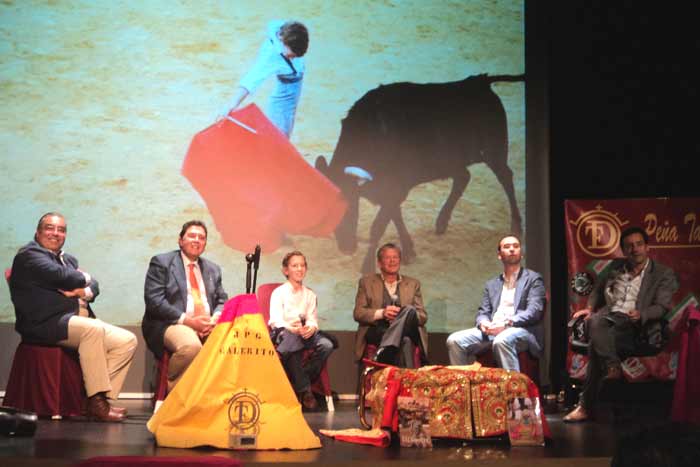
(101, 100)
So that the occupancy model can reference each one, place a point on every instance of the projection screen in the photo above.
(101, 101)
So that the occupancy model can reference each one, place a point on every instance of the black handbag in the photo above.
(578, 335)
(652, 338)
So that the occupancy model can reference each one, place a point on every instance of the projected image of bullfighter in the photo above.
(400, 135)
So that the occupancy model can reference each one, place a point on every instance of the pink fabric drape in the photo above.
(686, 393)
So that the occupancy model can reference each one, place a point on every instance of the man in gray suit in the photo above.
(635, 289)
(390, 312)
(510, 316)
(184, 298)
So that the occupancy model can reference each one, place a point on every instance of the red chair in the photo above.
(529, 364)
(45, 379)
(371, 350)
(364, 384)
(322, 385)
(362, 370)
(160, 391)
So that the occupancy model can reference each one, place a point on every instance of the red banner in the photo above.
(593, 229)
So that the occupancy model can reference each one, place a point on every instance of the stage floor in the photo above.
(63, 443)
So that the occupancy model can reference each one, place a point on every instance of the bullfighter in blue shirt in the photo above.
(281, 54)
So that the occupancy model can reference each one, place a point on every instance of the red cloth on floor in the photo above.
(256, 184)
(376, 437)
(686, 391)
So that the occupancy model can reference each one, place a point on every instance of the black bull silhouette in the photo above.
(403, 134)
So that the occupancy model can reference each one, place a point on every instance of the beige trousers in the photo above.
(105, 352)
(184, 344)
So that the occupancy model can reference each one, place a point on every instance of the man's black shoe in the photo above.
(386, 355)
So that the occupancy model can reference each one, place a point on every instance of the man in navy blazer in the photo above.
(510, 315)
(184, 298)
(52, 299)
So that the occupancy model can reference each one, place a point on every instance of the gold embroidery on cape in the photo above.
(490, 397)
(448, 393)
(458, 397)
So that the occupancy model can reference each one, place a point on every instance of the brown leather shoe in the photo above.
(121, 410)
(614, 372)
(308, 401)
(98, 409)
(579, 414)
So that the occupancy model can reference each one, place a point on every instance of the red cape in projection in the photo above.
(256, 184)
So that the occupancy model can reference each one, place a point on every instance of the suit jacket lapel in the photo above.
(519, 285)
(378, 290)
(644, 286)
(177, 269)
(404, 296)
(68, 261)
(206, 279)
(497, 291)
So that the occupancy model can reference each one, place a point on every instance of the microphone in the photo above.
(394, 300)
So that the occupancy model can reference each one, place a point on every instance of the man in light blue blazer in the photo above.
(510, 315)
(184, 297)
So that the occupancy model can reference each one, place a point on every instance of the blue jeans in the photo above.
(463, 346)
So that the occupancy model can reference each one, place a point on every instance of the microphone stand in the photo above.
(253, 262)
(256, 264)
(249, 260)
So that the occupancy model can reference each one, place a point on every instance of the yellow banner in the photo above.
(235, 394)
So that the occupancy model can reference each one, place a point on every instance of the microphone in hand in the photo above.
(394, 300)
(389, 315)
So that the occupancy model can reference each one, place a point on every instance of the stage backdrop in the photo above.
(102, 99)
(593, 229)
